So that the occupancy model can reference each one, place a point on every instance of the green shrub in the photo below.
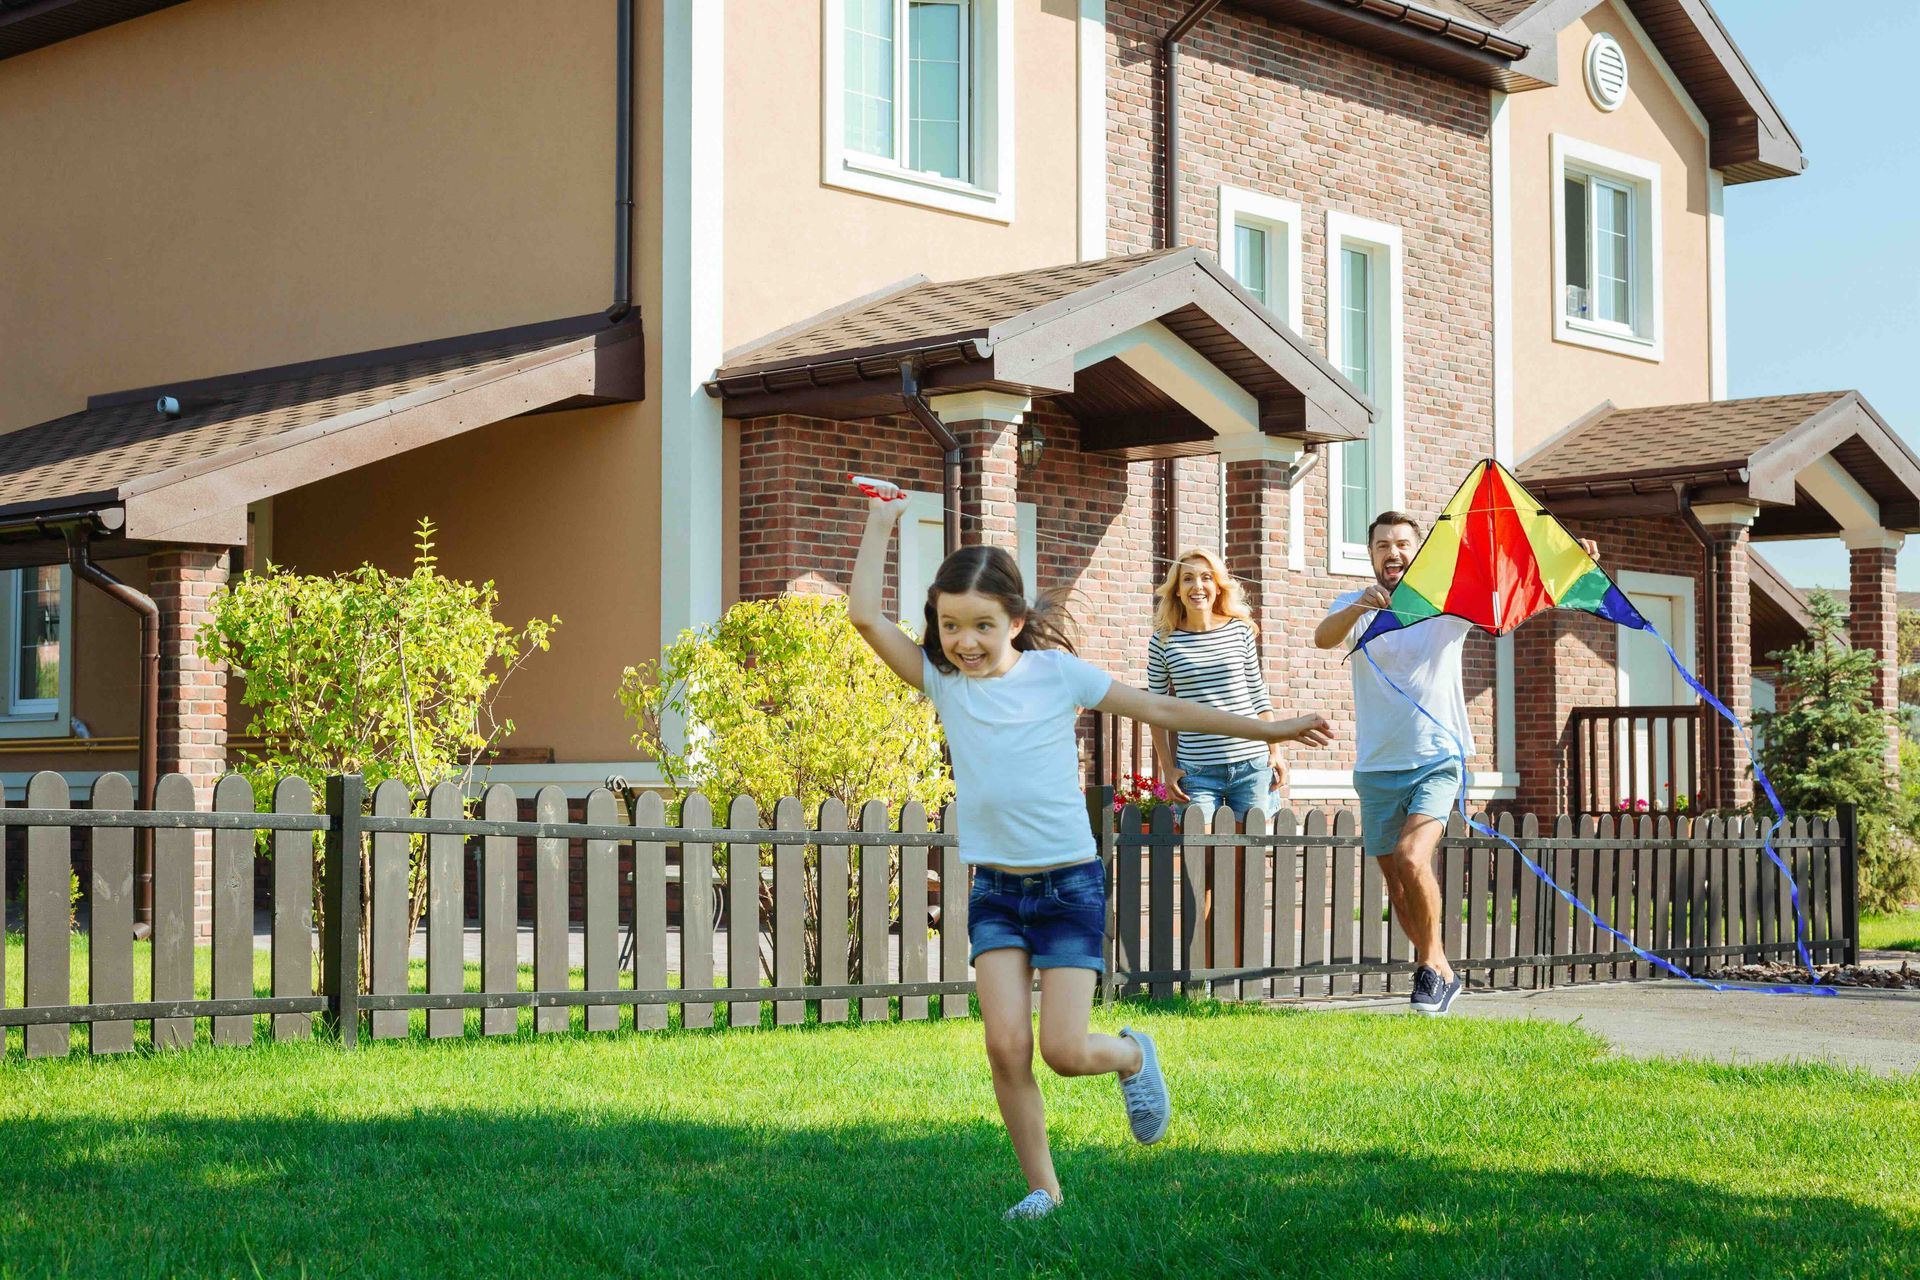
(384, 675)
(782, 698)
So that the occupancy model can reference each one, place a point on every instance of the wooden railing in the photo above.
(1635, 760)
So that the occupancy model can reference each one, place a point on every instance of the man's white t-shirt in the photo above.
(1424, 660)
(1016, 760)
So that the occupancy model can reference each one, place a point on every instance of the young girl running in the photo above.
(1008, 688)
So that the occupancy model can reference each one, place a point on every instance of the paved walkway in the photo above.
(1877, 1030)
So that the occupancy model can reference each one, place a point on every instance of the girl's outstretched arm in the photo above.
(1190, 717)
(869, 577)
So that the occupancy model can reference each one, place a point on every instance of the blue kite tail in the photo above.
(1459, 750)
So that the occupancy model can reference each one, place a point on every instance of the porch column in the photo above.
(1259, 469)
(1873, 620)
(987, 424)
(1731, 676)
(193, 694)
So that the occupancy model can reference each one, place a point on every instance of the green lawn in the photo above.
(1896, 932)
(1305, 1143)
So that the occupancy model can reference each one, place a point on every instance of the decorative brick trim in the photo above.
(193, 694)
(1873, 622)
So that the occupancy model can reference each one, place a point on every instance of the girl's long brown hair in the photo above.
(1229, 599)
(991, 572)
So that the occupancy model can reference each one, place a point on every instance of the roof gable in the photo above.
(1750, 139)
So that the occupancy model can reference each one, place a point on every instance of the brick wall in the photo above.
(1289, 114)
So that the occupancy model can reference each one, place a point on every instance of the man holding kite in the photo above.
(1407, 765)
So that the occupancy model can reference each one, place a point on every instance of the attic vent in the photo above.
(1606, 65)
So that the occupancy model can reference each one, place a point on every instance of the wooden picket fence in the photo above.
(1238, 911)
(1291, 907)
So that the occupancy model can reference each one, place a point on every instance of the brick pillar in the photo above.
(1259, 469)
(987, 424)
(1731, 677)
(1873, 620)
(193, 694)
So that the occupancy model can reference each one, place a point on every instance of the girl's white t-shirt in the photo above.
(1016, 762)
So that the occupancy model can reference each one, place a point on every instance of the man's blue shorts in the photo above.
(1058, 917)
(1389, 796)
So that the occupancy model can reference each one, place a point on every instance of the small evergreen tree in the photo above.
(1827, 747)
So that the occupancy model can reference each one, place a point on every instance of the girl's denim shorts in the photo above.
(1058, 917)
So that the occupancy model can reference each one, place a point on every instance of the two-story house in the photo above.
(619, 292)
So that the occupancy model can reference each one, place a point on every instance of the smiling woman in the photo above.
(1203, 649)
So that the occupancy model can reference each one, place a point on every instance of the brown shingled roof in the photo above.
(1039, 333)
(122, 450)
(1621, 461)
(1715, 435)
(920, 313)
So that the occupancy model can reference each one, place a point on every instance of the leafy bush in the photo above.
(1827, 748)
(384, 675)
(781, 698)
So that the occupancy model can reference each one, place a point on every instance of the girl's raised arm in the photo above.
(869, 578)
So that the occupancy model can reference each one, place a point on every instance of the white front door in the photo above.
(1656, 750)
(923, 547)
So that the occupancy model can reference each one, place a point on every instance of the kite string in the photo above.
(1766, 786)
(1461, 801)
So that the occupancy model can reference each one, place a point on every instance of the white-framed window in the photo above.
(36, 621)
(922, 546)
(1606, 249)
(918, 102)
(1259, 245)
(1364, 342)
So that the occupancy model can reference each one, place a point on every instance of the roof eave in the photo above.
(1477, 53)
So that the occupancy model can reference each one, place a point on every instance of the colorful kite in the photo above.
(1495, 558)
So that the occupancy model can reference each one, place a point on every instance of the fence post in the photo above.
(1850, 883)
(340, 876)
(1100, 817)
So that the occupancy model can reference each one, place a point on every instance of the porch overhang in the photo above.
(140, 478)
(1815, 466)
(1154, 355)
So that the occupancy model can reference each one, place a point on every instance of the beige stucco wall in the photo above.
(795, 246)
(1556, 381)
(228, 184)
(545, 507)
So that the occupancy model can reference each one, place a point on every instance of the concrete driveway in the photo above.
(1877, 1030)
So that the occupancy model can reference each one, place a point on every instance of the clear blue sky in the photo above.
(1823, 272)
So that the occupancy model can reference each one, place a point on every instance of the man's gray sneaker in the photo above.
(1145, 1091)
(1431, 996)
(1038, 1204)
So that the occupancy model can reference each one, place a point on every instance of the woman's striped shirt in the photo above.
(1220, 669)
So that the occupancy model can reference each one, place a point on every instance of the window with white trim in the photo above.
(1259, 245)
(919, 101)
(1364, 344)
(34, 617)
(1606, 249)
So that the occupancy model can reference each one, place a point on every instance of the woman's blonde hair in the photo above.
(1229, 601)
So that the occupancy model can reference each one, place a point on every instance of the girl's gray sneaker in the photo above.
(1038, 1204)
(1149, 1109)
